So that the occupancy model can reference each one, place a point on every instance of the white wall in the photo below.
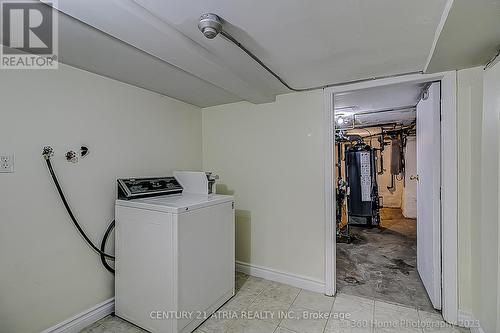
(479, 251)
(409, 195)
(271, 157)
(47, 273)
(489, 288)
(469, 122)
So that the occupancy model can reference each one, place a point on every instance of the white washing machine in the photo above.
(174, 255)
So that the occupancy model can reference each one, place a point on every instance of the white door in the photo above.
(428, 196)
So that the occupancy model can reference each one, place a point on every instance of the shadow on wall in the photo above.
(223, 189)
(243, 235)
(243, 228)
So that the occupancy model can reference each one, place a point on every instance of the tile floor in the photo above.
(281, 308)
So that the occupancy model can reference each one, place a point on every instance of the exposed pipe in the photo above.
(375, 125)
(392, 187)
(47, 155)
(492, 61)
(408, 108)
(339, 160)
(381, 172)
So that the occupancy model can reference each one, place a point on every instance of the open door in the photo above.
(428, 193)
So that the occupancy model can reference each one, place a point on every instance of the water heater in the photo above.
(361, 172)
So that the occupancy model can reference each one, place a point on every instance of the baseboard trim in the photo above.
(283, 277)
(78, 322)
(467, 319)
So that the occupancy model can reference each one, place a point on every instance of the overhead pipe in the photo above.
(393, 186)
(407, 108)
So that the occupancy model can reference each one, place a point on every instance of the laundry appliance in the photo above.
(174, 254)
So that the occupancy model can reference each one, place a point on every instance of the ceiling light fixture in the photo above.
(344, 121)
(210, 25)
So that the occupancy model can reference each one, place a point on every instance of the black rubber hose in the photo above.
(70, 213)
(103, 247)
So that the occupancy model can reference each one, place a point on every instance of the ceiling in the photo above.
(89, 49)
(155, 44)
(380, 105)
(380, 98)
(310, 45)
(85, 47)
(470, 37)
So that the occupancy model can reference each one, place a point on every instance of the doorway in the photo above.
(386, 138)
(448, 189)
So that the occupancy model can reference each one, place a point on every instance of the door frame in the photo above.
(449, 180)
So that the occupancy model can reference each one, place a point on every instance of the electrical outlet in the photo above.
(6, 163)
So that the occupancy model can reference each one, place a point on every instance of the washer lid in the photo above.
(176, 203)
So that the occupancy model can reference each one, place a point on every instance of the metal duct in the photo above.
(396, 167)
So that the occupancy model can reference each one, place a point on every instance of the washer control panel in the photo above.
(132, 188)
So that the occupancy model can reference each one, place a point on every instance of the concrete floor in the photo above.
(382, 263)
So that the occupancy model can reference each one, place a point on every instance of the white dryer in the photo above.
(174, 258)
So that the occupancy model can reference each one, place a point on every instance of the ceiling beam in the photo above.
(162, 41)
(439, 29)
